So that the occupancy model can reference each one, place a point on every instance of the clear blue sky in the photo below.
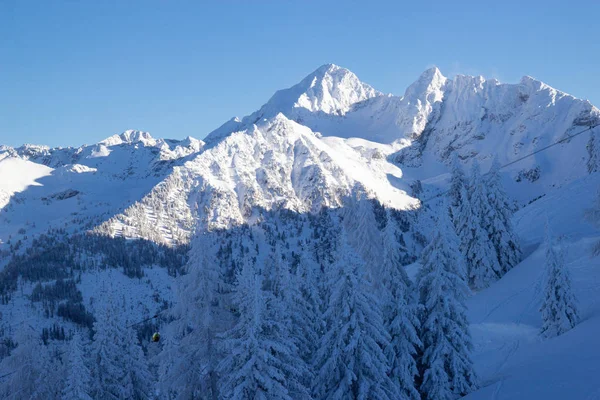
(75, 72)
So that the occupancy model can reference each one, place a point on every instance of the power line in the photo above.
(569, 137)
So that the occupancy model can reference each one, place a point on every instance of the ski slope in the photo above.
(512, 360)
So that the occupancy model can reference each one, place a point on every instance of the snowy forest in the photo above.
(294, 306)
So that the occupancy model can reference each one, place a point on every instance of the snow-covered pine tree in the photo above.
(110, 378)
(49, 382)
(77, 385)
(142, 381)
(350, 362)
(297, 306)
(23, 364)
(559, 307)
(400, 315)
(120, 369)
(458, 184)
(359, 218)
(308, 307)
(593, 147)
(259, 361)
(446, 366)
(188, 362)
(480, 256)
(497, 221)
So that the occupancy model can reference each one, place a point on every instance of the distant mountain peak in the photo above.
(128, 137)
(431, 81)
(330, 89)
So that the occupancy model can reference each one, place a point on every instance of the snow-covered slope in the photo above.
(309, 157)
(78, 188)
(276, 164)
(511, 358)
(11, 183)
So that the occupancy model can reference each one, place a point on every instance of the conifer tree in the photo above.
(350, 362)
(142, 381)
(482, 263)
(22, 365)
(446, 366)
(260, 360)
(559, 307)
(497, 220)
(458, 184)
(49, 382)
(300, 306)
(593, 148)
(110, 376)
(77, 386)
(188, 362)
(400, 315)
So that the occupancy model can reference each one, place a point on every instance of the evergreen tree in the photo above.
(559, 307)
(120, 369)
(78, 380)
(482, 264)
(142, 381)
(24, 365)
(458, 183)
(308, 307)
(497, 221)
(260, 360)
(188, 362)
(593, 148)
(111, 379)
(299, 305)
(400, 315)
(359, 218)
(446, 366)
(350, 361)
(49, 382)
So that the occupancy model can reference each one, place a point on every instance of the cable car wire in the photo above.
(569, 137)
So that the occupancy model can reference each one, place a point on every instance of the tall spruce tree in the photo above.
(188, 362)
(142, 382)
(400, 314)
(446, 366)
(260, 358)
(456, 193)
(593, 147)
(350, 362)
(120, 369)
(302, 308)
(77, 386)
(497, 221)
(24, 365)
(110, 378)
(559, 307)
(483, 267)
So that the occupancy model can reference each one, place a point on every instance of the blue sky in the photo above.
(75, 72)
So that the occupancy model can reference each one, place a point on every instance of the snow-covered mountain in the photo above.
(328, 149)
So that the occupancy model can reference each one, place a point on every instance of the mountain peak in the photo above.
(130, 136)
(430, 81)
(330, 89)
